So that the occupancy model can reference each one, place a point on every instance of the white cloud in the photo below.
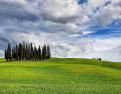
(111, 12)
(95, 3)
(61, 44)
(106, 44)
(60, 23)
(107, 49)
(60, 10)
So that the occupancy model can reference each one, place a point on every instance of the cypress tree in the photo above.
(39, 53)
(12, 54)
(20, 51)
(35, 53)
(6, 55)
(48, 53)
(31, 52)
(27, 52)
(23, 51)
(44, 52)
(9, 55)
(16, 52)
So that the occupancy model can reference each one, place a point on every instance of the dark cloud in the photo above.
(19, 30)
(62, 20)
(15, 11)
(4, 39)
(56, 23)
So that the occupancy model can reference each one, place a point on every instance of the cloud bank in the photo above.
(73, 28)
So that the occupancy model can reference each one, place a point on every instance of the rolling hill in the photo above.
(60, 76)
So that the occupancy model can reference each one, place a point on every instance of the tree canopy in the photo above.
(24, 51)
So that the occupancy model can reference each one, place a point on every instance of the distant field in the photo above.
(60, 76)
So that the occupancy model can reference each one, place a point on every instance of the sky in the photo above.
(72, 28)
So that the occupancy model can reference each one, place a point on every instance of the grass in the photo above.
(60, 76)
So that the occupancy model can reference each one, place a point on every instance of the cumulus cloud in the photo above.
(111, 12)
(61, 44)
(63, 24)
(60, 10)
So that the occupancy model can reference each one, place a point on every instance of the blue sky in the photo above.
(73, 28)
(111, 30)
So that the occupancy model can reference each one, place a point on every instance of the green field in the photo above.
(60, 76)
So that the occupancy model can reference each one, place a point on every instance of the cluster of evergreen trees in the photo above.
(24, 51)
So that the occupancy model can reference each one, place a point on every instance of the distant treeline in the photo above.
(24, 51)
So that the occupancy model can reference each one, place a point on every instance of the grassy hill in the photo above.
(60, 76)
